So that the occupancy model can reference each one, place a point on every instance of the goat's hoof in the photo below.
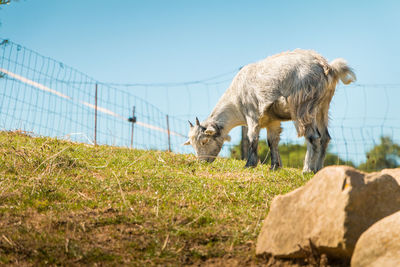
(250, 165)
(275, 167)
(307, 171)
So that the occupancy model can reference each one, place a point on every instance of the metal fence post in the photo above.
(95, 116)
(169, 135)
(132, 120)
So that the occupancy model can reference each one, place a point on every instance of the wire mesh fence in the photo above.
(46, 97)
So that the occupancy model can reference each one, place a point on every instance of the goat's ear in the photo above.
(210, 130)
(187, 143)
(227, 138)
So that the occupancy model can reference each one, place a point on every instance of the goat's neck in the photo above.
(225, 117)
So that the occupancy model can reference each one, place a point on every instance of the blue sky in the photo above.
(176, 41)
(169, 41)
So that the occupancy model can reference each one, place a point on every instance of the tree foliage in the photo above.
(292, 155)
(384, 155)
(5, 2)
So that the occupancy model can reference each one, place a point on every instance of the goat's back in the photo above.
(285, 73)
(303, 77)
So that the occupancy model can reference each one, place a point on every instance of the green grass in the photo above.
(63, 203)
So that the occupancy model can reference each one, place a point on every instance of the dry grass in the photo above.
(72, 204)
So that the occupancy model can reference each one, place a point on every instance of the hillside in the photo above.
(63, 203)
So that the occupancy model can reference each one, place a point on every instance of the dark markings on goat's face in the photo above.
(206, 145)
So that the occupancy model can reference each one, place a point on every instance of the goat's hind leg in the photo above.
(273, 137)
(325, 138)
(313, 140)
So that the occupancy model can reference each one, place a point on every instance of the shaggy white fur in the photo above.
(296, 85)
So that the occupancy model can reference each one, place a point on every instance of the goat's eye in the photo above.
(204, 141)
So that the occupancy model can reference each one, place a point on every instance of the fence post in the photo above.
(244, 147)
(133, 120)
(95, 116)
(169, 135)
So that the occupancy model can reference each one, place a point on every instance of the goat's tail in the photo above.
(343, 71)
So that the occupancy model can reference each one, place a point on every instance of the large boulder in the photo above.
(328, 214)
(379, 245)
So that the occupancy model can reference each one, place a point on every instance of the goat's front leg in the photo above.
(313, 139)
(273, 137)
(253, 134)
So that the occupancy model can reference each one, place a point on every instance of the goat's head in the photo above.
(207, 140)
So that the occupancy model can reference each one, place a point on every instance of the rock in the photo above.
(395, 173)
(380, 244)
(328, 214)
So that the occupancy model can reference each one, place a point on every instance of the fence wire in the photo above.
(46, 97)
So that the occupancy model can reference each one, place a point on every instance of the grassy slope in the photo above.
(74, 204)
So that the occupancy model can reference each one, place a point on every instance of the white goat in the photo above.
(296, 85)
